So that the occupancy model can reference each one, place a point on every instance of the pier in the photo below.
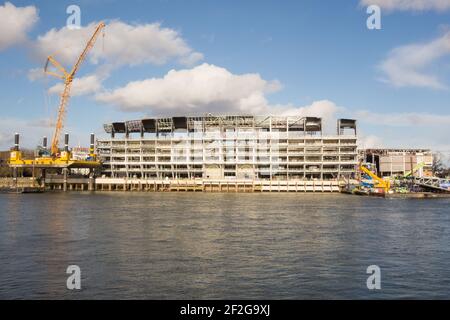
(62, 183)
(202, 185)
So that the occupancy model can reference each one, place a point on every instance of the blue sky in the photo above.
(279, 57)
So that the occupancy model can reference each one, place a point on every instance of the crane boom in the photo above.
(88, 47)
(416, 168)
(68, 79)
(386, 185)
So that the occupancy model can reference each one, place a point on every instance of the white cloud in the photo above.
(32, 130)
(369, 141)
(191, 59)
(205, 88)
(123, 44)
(409, 5)
(36, 74)
(15, 22)
(42, 123)
(325, 109)
(403, 130)
(211, 89)
(320, 108)
(81, 86)
(405, 65)
(5, 141)
(30, 134)
(403, 119)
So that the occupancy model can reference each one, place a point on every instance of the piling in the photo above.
(65, 173)
(66, 142)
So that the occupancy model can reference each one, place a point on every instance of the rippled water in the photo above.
(217, 246)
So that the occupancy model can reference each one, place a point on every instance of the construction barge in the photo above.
(406, 186)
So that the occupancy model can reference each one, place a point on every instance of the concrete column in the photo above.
(15, 177)
(43, 174)
(91, 186)
(65, 174)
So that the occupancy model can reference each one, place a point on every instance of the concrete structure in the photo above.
(229, 148)
(390, 162)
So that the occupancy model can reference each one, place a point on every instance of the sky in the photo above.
(191, 57)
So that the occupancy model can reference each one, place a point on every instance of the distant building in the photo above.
(390, 162)
(229, 147)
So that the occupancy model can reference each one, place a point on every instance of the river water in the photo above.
(222, 246)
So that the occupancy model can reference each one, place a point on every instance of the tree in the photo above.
(439, 169)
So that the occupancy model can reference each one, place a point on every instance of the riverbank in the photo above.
(57, 183)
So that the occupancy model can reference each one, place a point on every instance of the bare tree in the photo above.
(438, 165)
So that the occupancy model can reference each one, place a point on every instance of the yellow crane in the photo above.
(381, 183)
(68, 79)
(64, 159)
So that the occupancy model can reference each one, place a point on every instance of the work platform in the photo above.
(71, 164)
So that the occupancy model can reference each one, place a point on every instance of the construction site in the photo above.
(218, 153)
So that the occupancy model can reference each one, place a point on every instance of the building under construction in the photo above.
(229, 147)
(398, 162)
